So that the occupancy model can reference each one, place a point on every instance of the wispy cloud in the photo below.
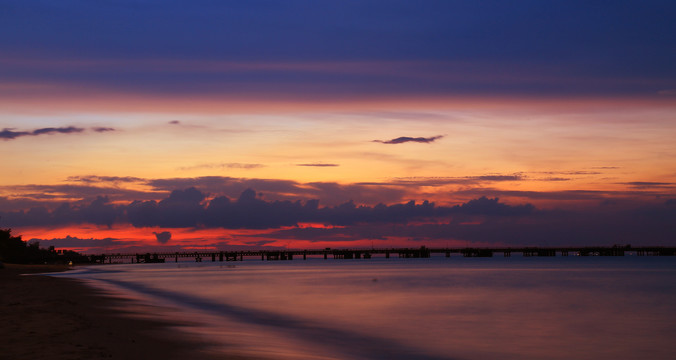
(554, 179)
(11, 134)
(572, 172)
(318, 165)
(222, 166)
(649, 184)
(405, 139)
(102, 129)
(417, 181)
(99, 179)
(667, 92)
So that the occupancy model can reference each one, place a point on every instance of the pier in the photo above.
(348, 254)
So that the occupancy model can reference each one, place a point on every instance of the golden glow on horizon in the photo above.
(548, 145)
(130, 239)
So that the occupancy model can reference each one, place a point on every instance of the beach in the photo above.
(435, 308)
(45, 317)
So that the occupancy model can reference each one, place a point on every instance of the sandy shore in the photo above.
(44, 317)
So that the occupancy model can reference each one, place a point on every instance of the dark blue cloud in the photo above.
(100, 212)
(486, 206)
(477, 222)
(183, 208)
(10, 134)
(249, 211)
(405, 139)
(162, 237)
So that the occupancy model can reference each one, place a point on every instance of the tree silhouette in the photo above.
(16, 251)
(12, 248)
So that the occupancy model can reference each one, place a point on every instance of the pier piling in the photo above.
(422, 252)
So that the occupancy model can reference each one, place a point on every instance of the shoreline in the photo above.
(47, 317)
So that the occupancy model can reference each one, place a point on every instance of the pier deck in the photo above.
(421, 252)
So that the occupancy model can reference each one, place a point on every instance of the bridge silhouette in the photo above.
(421, 252)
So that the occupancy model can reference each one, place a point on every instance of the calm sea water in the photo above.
(438, 308)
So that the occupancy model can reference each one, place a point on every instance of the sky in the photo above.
(145, 125)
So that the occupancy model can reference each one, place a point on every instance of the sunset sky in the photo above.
(146, 124)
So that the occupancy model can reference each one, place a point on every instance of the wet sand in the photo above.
(44, 317)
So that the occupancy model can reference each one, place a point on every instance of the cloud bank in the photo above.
(190, 208)
(481, 220)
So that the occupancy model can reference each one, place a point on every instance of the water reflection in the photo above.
(554, 308)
